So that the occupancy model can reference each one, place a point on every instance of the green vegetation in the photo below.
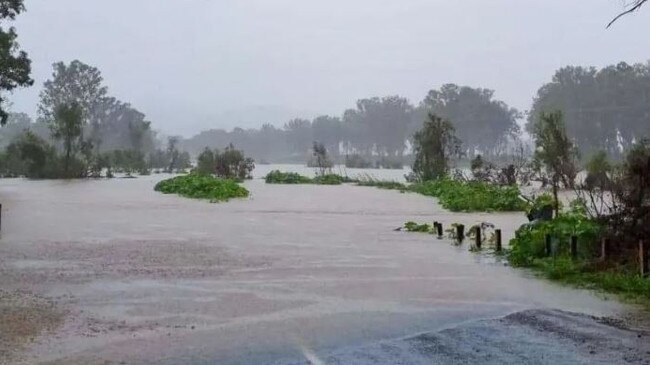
(382, 184)
(279, 177)
(202, 186)
(229, 164)
(416, 227)
(471, 196)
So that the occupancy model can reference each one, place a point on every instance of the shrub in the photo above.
(279, 177)
(202, 187)
(471, 196)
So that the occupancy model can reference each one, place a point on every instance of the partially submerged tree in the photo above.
(67, 126)
(15, 65)
(555, 152)
(321, 159)
(232, 164)
(434, 146)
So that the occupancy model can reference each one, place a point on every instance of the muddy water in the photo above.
(292, 270)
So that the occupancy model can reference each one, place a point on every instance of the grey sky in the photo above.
(198, 64)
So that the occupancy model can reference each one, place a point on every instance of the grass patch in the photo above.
(201, 186)
(471, 196)
(624, 282)
(382, 184)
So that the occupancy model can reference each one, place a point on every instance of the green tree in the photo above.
(76, 83)
(205, 162)
(67, 127)
(15, 65)
(434, 146)
(555, 152)
(480, 121)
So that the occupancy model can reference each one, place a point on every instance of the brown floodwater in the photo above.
(293, 270)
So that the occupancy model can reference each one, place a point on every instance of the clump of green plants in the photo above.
(368, 180)
(279, 177)
(411, 226)
(202, 186)
(471, 196)
(528, 244)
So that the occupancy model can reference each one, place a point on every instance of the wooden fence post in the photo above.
(478, 237)
(574, 247)
(547, 245)
(643, 258)
(440, 230)
(497, 234)
(460, 232)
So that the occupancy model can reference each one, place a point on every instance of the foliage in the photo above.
(471, 195)
(67, 126)
(368, 180)
(15, 66)
(529, 241)
(111, 124)
(279, 177)
(434, 145)
(605, 109)
(205, 162)
(321, 159)
(480, 121)
(330, 179)
(202, 187)
(415, 227)
(232, 164)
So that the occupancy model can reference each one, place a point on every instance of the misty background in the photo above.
(195, 65)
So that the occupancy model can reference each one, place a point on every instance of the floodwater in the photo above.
(291, 272)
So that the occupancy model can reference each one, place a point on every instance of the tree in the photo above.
(232, 164)
(322, 161)
(299, 135)
(173, 153)
(205, 162)
(15, 65)
(327, 130)
(67, 126)
(480, 121)
(74, 83)
(555, 152)
(434, 145)
(606, 109)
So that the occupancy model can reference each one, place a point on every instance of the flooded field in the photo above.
(129, 275)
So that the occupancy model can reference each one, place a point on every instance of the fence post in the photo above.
(604, 248)
(0, 216)
(460, 232)
(497, 233)
(478, 237)
(574, 247)
(643, 258)
(547, 245)
(439, 229)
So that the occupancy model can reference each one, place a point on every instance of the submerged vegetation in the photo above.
(279, 177)
(202, 186)
(471, 196)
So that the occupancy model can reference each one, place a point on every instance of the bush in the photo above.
(202, 187)
(279, 177)
(382, 184)
(472, 196)
(529, 241)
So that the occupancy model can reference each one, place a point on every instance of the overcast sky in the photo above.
(198, 64)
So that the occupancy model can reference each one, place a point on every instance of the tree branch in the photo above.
(635, 6)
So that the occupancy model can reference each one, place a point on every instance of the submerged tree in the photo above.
(15, 66)
(555, 152)
(321, 159)
(67, 127)
(434, 146)
(232, 164)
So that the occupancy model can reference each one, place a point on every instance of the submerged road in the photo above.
(293, 272)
